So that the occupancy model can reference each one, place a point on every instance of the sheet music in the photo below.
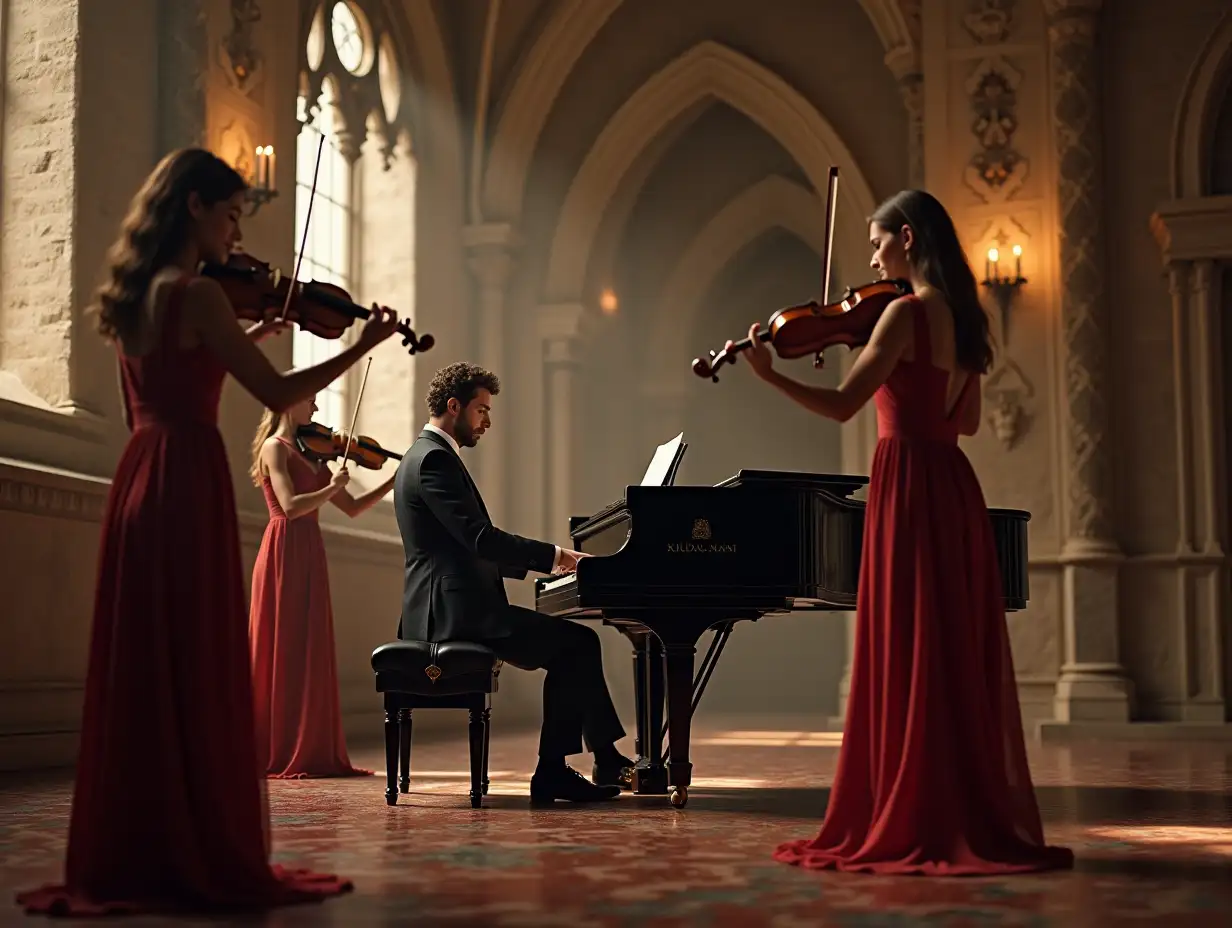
(662, 469)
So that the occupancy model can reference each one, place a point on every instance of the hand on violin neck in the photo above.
(760, 359)
(381, 324)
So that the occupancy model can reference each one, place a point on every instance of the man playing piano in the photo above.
(453, 590)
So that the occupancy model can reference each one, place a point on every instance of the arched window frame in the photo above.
(367, 98)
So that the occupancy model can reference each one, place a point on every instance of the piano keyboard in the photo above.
(559, 582)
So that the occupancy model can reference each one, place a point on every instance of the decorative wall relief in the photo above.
(1005, 393)
(997, 169)
(989, 21)
(238, 53)
(235, 147)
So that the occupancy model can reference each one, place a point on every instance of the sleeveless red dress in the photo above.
(932, 776)
(169, 807)
(291, 638)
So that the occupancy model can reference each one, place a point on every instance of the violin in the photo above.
(325, 310)
(812, 327)
(320, 443)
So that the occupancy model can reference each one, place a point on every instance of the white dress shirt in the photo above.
(458, 451)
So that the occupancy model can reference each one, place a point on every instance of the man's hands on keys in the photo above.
(568, 561)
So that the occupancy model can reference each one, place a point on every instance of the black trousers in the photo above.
(576, 701)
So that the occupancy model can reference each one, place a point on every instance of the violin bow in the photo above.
(303, 242)
(355, 415)
(828, 240)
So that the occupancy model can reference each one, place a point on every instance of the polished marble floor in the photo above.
(1151, 825)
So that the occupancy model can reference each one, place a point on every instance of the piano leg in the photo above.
(679, 718)
(649, 773)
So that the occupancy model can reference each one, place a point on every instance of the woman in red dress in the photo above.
(932, 777)
(168, 809)
(291, 621)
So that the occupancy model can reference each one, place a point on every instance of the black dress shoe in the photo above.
(613, 774)
(568, 785)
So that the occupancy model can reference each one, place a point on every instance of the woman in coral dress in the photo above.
(168, 810)
(932, 777)
(291, 621)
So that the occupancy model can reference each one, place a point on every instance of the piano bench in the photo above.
(427, 675)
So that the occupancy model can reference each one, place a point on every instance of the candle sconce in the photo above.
(261, 190)
(1003, 287)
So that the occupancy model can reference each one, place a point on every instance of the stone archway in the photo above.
(1195, 117)
(708, 70)
(772, 202)
(562, 43)
(1194, 232)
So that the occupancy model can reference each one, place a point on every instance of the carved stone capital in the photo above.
(491, 253)
(561, 326)
(1073, 21)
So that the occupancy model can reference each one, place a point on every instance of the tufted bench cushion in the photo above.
(435, 668)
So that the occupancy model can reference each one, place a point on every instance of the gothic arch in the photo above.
(772, 202)
(1195, 117)
(435, 133)
(708, 70)
(557, 49)
(538, 83)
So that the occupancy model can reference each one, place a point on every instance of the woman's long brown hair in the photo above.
(156, 230)
(270, 421)
(939, 256)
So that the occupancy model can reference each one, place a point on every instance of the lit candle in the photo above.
(269, 167)
(993, 257)
(258, 171)
(1018, 262)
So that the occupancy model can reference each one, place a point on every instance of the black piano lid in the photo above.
(837, 484)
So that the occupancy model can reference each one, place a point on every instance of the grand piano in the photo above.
(672, 562)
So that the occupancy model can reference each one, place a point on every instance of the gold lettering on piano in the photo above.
(693, 548)
(701, 543)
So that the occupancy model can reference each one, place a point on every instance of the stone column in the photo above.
(490, 257)
(182, 67)
(1093, 686)
(560, 328)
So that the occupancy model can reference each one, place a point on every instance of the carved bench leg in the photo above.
(404, 750)
(476, 730)
(391, 757)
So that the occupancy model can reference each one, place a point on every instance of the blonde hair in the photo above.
(270, 423)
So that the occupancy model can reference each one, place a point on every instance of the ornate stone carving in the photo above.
(997, 169)
(1005, 393)
(236, 148)
(182, 74)
(911, 86)
(23, 496)
(238, 53)
(1075, 78)
(358, 98)
(989, 21)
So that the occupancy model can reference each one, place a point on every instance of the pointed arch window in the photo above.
(350, 87)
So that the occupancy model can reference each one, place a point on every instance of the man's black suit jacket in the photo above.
(455, 556)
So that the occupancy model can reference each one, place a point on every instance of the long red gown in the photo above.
(291, 637)
(169, 810)
(932, 777)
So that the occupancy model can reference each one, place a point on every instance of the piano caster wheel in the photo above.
(680, 795)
